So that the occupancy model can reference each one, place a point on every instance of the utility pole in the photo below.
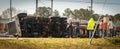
(51, 7)
(36, 8)
(10, 10)
(91, 7)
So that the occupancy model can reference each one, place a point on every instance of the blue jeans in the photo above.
(90, 33)
(101, 33)
(77, 32)
(68, 33)
(111, 33)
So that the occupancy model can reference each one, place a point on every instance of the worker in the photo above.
(110, 25)
(77, 30)
(102, 29)
(90, 26)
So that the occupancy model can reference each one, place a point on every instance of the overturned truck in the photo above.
(32, 26)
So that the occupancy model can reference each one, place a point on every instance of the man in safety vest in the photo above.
(102, 28)
(90, 26)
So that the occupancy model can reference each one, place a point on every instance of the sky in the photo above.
(99, 6)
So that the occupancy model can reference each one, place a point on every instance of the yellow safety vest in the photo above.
(91, 24)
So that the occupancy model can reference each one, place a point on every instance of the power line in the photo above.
(96, 2)
(104, 4)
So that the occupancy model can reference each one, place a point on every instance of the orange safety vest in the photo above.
(102, 25)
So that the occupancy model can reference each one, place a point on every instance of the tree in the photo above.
(86, 14)
(67, 12)
(6, 13)
(44, 11)
(116, 18)
(78, 13)
(56, 13)
(95, 16)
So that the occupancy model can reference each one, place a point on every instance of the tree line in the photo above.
(81, 14)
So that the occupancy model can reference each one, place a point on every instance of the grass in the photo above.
(60, 43)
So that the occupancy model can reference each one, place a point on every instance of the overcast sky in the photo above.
(99, 6)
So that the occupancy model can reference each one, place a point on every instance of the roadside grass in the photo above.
(60, 43)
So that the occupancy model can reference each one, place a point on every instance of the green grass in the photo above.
(60, 43)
